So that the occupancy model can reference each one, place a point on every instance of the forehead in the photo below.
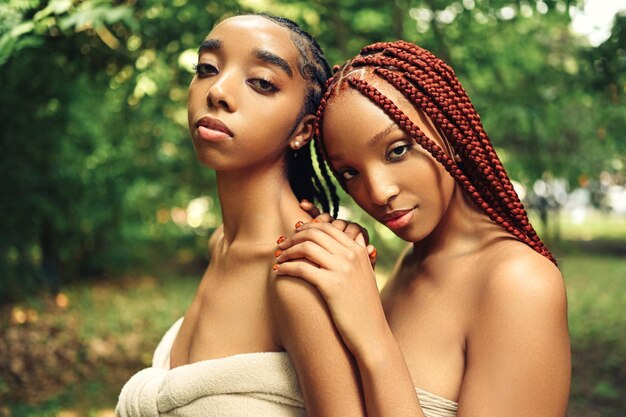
(246, 33)
(352, 117)
(350, 105)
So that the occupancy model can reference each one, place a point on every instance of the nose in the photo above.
(222, 93)
(382, 190)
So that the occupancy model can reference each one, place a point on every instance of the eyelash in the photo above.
(405, 146)
(343, 175)
(272, 88)
(204, 70)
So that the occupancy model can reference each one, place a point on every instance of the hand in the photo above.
(354, 230)
(339, 267)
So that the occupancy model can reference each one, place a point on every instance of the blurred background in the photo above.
(105, 212)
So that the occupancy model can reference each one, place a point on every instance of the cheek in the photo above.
(361, 196)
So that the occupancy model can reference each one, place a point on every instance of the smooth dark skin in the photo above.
(470, 313)
(239, 306)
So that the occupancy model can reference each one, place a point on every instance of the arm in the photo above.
(340, 269)
(325, 369)
(518, 354)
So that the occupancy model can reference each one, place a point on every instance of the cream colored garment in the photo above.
(436, 406)
(252, 384)
(259, 384)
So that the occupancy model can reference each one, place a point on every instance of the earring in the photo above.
(457, 158)
(296, 144)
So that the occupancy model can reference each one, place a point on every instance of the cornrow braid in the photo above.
(432, 86)
(313, 66)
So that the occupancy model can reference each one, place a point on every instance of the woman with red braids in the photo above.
(474, 317)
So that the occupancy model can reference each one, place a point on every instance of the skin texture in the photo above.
(470, 313)
(239, 307)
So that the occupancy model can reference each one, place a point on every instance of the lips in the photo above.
(213, 130)
(398, 219)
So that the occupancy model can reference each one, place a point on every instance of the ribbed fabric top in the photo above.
(432, 405)
(436, 406)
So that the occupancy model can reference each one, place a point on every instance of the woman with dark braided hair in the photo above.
(249, 344)
(473, 318)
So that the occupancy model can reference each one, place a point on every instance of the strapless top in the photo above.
(264, 379)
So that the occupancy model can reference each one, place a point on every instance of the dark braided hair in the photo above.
(313, 66)
(432, 86)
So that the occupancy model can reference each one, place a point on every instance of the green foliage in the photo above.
(96, 159)
(116, 325)
(94, 135)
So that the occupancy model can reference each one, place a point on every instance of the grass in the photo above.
(113, 327)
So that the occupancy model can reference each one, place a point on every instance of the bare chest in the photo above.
(229, 315)
(428, 323)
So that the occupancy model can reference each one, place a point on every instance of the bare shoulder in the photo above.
(325, 369)
(217, 234)
(296, 305)
(514, 275)
(517, 343)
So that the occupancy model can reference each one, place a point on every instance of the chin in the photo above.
(209, 161)
(411, 235)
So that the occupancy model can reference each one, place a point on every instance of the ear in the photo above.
(303, 133)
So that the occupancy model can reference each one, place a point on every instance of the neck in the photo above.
(464, 229)
(257, 204)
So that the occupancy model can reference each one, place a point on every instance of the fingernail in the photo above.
(277, 253)
(281, 239)
(300, 223)
(315, 221)
(275, 267)
(373, 254)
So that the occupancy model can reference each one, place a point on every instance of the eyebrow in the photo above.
(263, 55)
(210, 45)
(272, 58)
(381, 135)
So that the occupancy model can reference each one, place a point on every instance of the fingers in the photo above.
(309, 251)
(314, 235)
(302, 269)
(325, 218)
(324, 234)
(373, 254)
(310, 208)
(353, 230)
(360, 240)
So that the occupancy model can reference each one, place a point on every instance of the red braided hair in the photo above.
(432, 86)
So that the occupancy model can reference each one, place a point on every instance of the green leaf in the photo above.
(56, 7)
(21, 29)
(6, 47)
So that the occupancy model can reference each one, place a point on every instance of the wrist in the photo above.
(377, 353)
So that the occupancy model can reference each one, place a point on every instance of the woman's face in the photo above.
(246, 97)
(391, 177)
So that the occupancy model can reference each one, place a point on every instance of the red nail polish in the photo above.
(281, 239)
(315, 221)
(373, 254)
(275, 267)
(277, 253)
(300, 223)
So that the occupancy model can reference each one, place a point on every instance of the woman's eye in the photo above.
(204, 70)
(348, 174)
(263, 86)
(398, 152)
